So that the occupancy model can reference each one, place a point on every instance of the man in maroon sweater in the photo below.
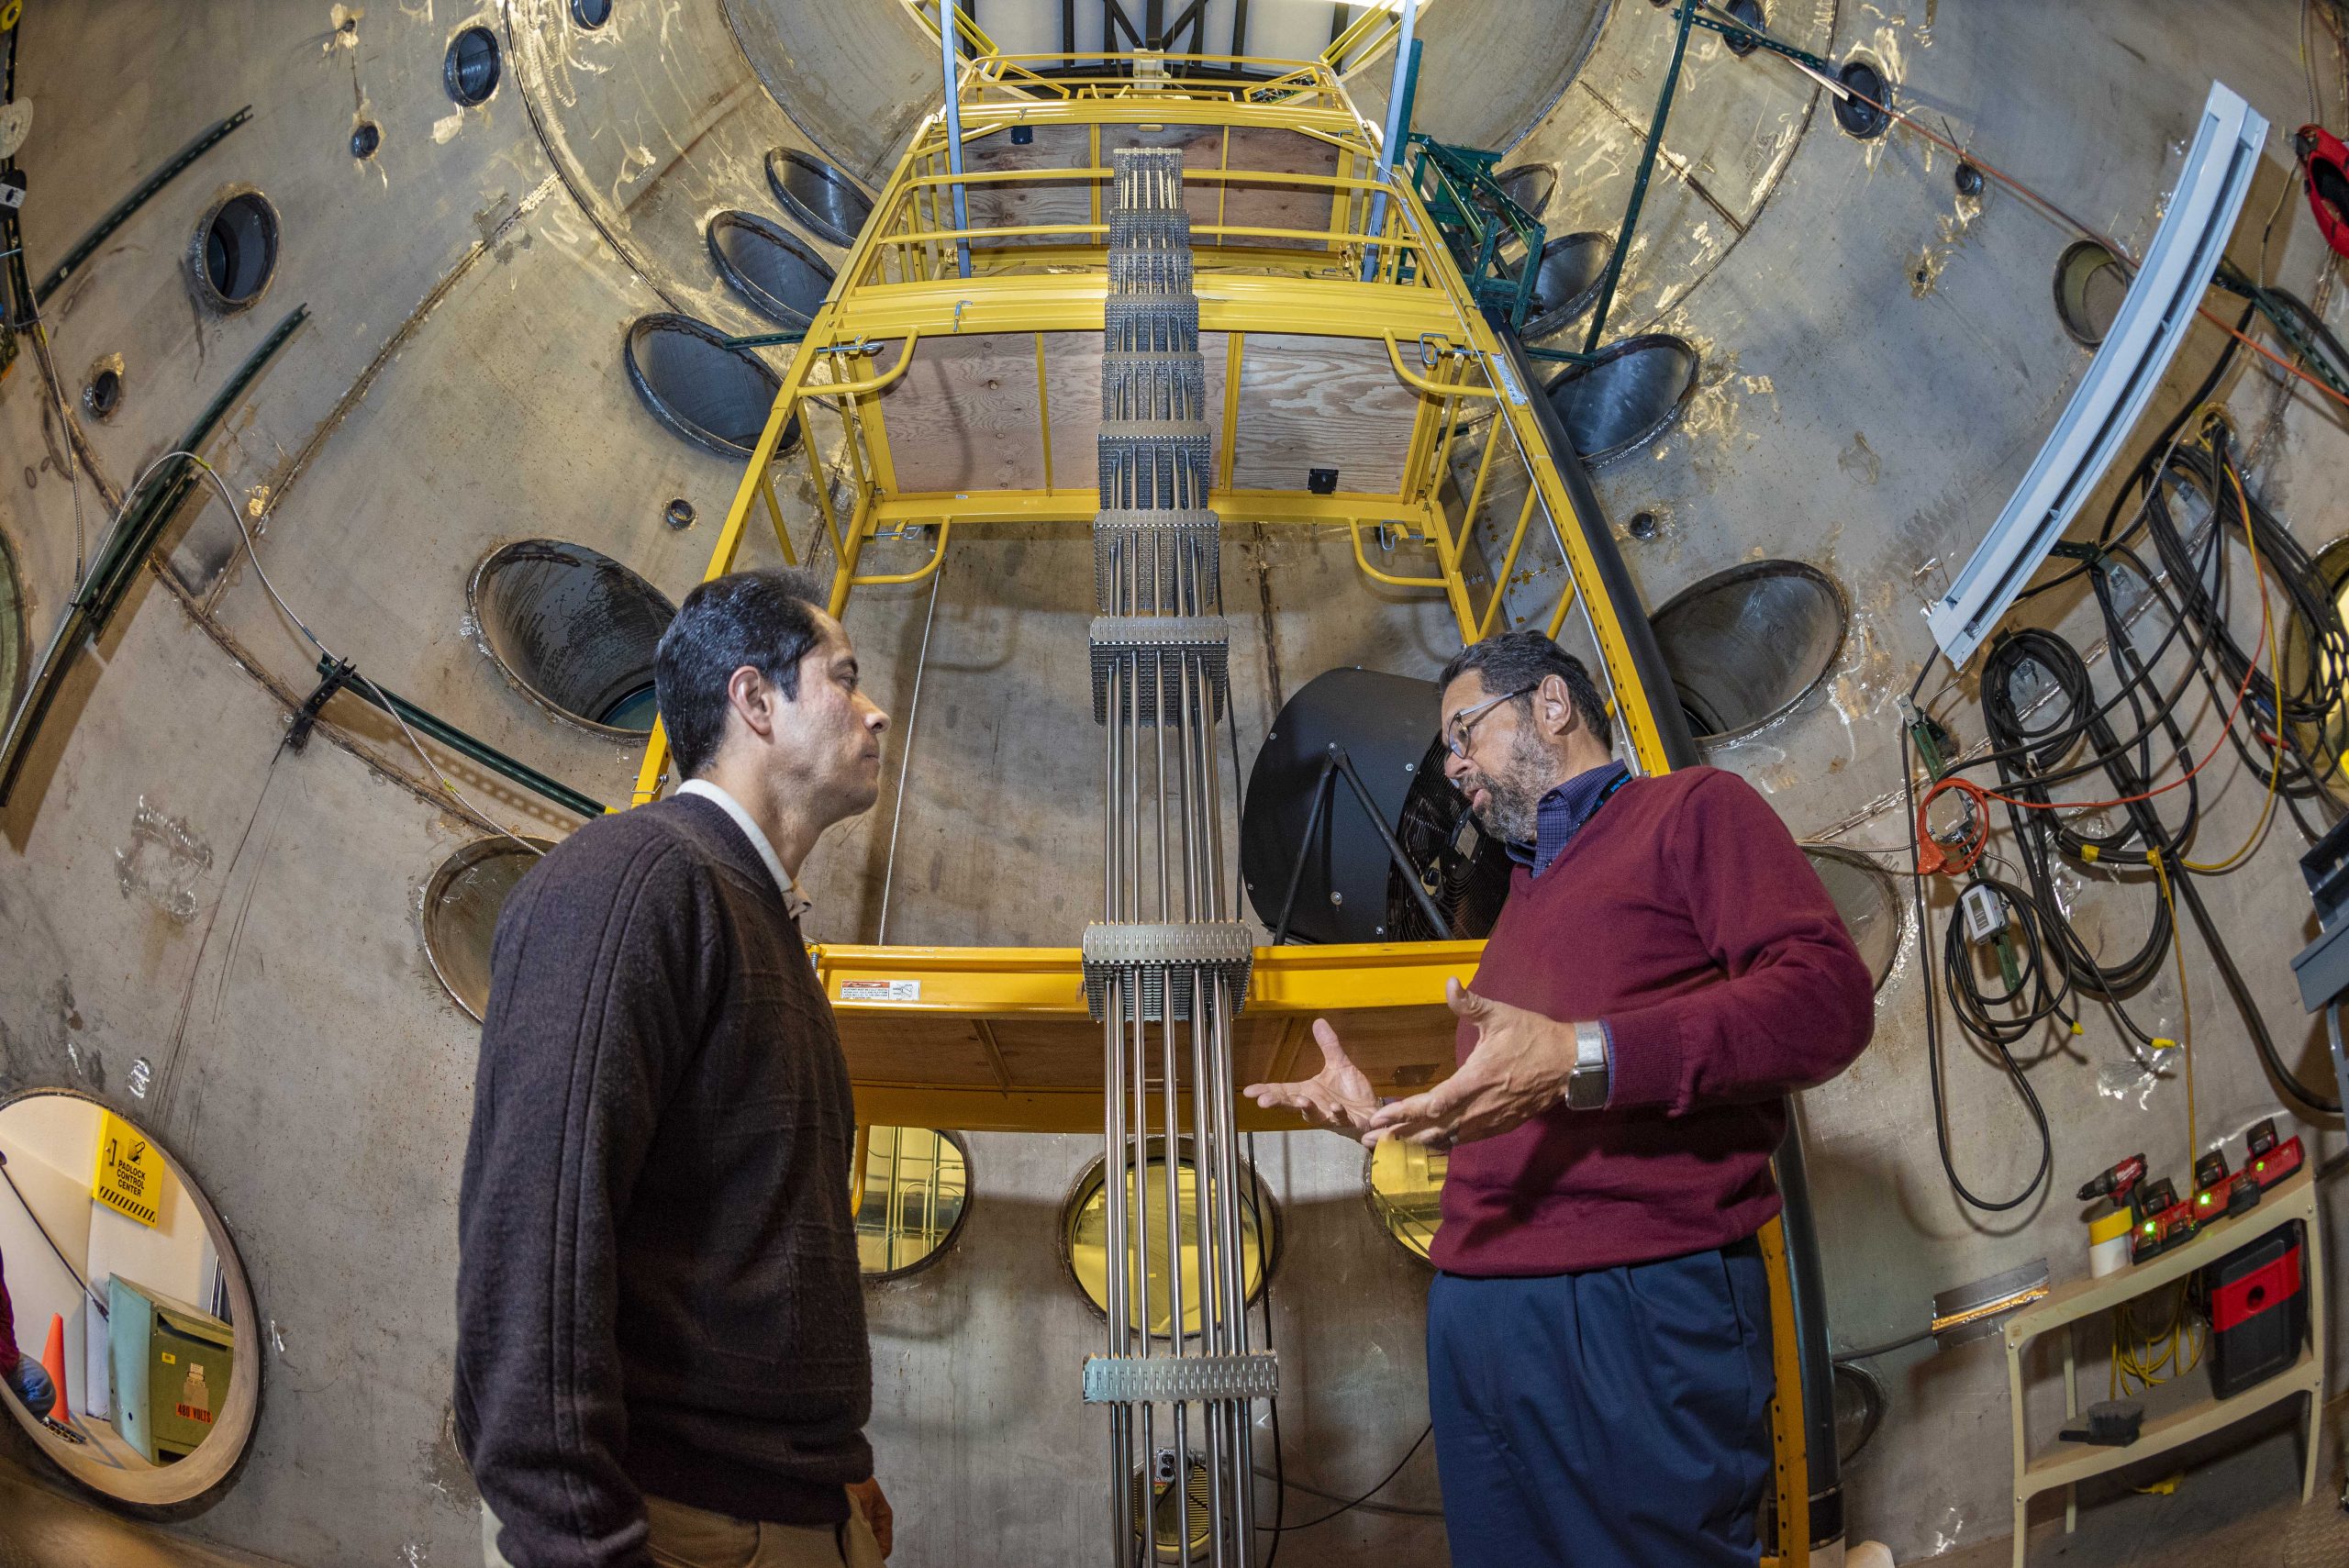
(1666, 970)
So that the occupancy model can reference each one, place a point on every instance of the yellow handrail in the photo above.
(1422, 384)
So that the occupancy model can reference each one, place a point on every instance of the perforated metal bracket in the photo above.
(1156, 650)
(1148, 1380)
(1148, 538)
(1146, 954)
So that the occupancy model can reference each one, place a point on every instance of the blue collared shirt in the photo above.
(1562, 812)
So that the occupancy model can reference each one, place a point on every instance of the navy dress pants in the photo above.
(1617, 1418)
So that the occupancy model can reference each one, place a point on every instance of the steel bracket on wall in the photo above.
(2146, 335)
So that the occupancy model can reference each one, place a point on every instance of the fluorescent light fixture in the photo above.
(2154, 320)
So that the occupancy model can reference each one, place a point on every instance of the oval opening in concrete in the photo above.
(461, 907)
(1627, 397)
(823, 200)
(471, 68)
(2090, 288)
(1566, 281)
(234, 254)
(779, 274)
(1530, 187)
(1869, 901)
(715, 396)
(575, 628)
(124, 1227)
(1746, 645)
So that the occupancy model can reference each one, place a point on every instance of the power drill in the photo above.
(2119, 1184)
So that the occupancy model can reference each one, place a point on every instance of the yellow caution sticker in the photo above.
(129, 1178)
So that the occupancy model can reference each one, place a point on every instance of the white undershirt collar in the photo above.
(783, 881)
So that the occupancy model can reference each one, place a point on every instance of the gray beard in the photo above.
(1513, 804)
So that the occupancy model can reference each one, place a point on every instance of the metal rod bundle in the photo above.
(1165, 971)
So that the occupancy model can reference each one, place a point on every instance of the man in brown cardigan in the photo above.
(661, 1350)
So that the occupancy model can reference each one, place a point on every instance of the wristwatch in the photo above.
(1588, 1085)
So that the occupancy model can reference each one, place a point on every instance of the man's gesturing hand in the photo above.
(1337, 1098)
(1516, 1069)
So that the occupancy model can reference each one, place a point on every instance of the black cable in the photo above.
(1933, 1020)
(1867, 1351)
(1264, 1297)
(1425, 1432)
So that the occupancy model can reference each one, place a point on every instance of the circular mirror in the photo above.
(1404, 1184)
(1868, 900)
(1745, 645)
(2089, 286)
(916, 1190)
(717, 397)
(234, 252)
(1626, 396)
(575, 628)
(822, 199)
(1084, 1231)
(460, 908)
(779, 274)
(121, 1278)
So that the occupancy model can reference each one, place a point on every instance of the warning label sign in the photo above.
(129, 1177)
(880, 990)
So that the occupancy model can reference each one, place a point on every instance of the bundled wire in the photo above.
(2049, 730)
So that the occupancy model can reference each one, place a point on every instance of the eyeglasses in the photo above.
(1458, 734)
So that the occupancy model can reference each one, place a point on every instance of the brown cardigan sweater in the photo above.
(657, 1286)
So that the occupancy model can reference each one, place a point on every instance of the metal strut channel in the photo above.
(1167, 969)
(144, 514)
(134, 201)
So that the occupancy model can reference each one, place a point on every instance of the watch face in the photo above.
(1587, 1089)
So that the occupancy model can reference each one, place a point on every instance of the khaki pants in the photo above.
(695, 1537)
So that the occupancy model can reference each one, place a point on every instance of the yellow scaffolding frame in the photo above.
(901, 284)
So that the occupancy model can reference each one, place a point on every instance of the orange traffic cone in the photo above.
(52, 1362)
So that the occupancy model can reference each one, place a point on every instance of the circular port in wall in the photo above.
(1567, 282)
(472, 66)
(233, 253)
(365, 138)
(1868, 900)
(2090, 284)
(460, 908)
(780, 274)
(1862, 113)
(102, 393)
(591, 14)
(1750, 12)
(1626, 396)
(821, 198)
(715, 396)
(1530, 186)
(1746, 645)
(573, 628)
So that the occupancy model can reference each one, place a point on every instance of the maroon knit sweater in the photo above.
(1683, 916)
